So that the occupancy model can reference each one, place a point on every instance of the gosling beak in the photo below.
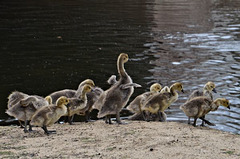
(214, 90)
(228, 107)
(182, 90)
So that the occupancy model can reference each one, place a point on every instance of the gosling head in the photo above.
(62, 101)
(210, 86)
(178, 86)
(222, 101)
(88, 81)
(87, 88)
(123, 57)
(156, 87)
(48, 99)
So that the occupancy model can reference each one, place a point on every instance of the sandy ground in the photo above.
(137, 139)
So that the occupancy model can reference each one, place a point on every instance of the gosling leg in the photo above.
(108, 119)
(207, 122)
(25, 126)
(46, 130)
(30, 127)
(70, 119)
(189, 120)
(145, 118)
(87, 116)
(195, 121)
(163, 117)
(148, 115)
(118, 118)
(159, 116)
(203, 118)
(20, 123)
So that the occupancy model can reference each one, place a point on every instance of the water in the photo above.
(47, 46)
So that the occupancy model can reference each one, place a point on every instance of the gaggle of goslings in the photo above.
(201, 103)
(76, 96)
(44, 112)
(70, 93)
(116, 97)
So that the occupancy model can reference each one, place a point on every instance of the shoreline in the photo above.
(136, 139)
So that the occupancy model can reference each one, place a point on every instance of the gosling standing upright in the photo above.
(116, 97)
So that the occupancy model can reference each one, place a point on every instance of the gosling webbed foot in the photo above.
(207, 122)
(30, 128)
(52, 131)
(122, 123)
(71, 123)
(21, 126)
(25, 131)
(48, 132)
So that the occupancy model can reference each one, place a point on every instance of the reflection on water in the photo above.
(48, 46)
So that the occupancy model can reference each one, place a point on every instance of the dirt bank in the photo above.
(133, 140)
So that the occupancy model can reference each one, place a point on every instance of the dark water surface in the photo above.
(51, 45)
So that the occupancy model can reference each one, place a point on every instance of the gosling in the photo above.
(75, 105)
(159, 102)
(48, 115)
(25, 108)
(198, 107)
(208, 88)
(134, 106)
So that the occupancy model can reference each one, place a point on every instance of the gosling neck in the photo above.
(83, 96)
(173, 91)
(60, 104)
(120, 67)
(215, 104)
(205, 89)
